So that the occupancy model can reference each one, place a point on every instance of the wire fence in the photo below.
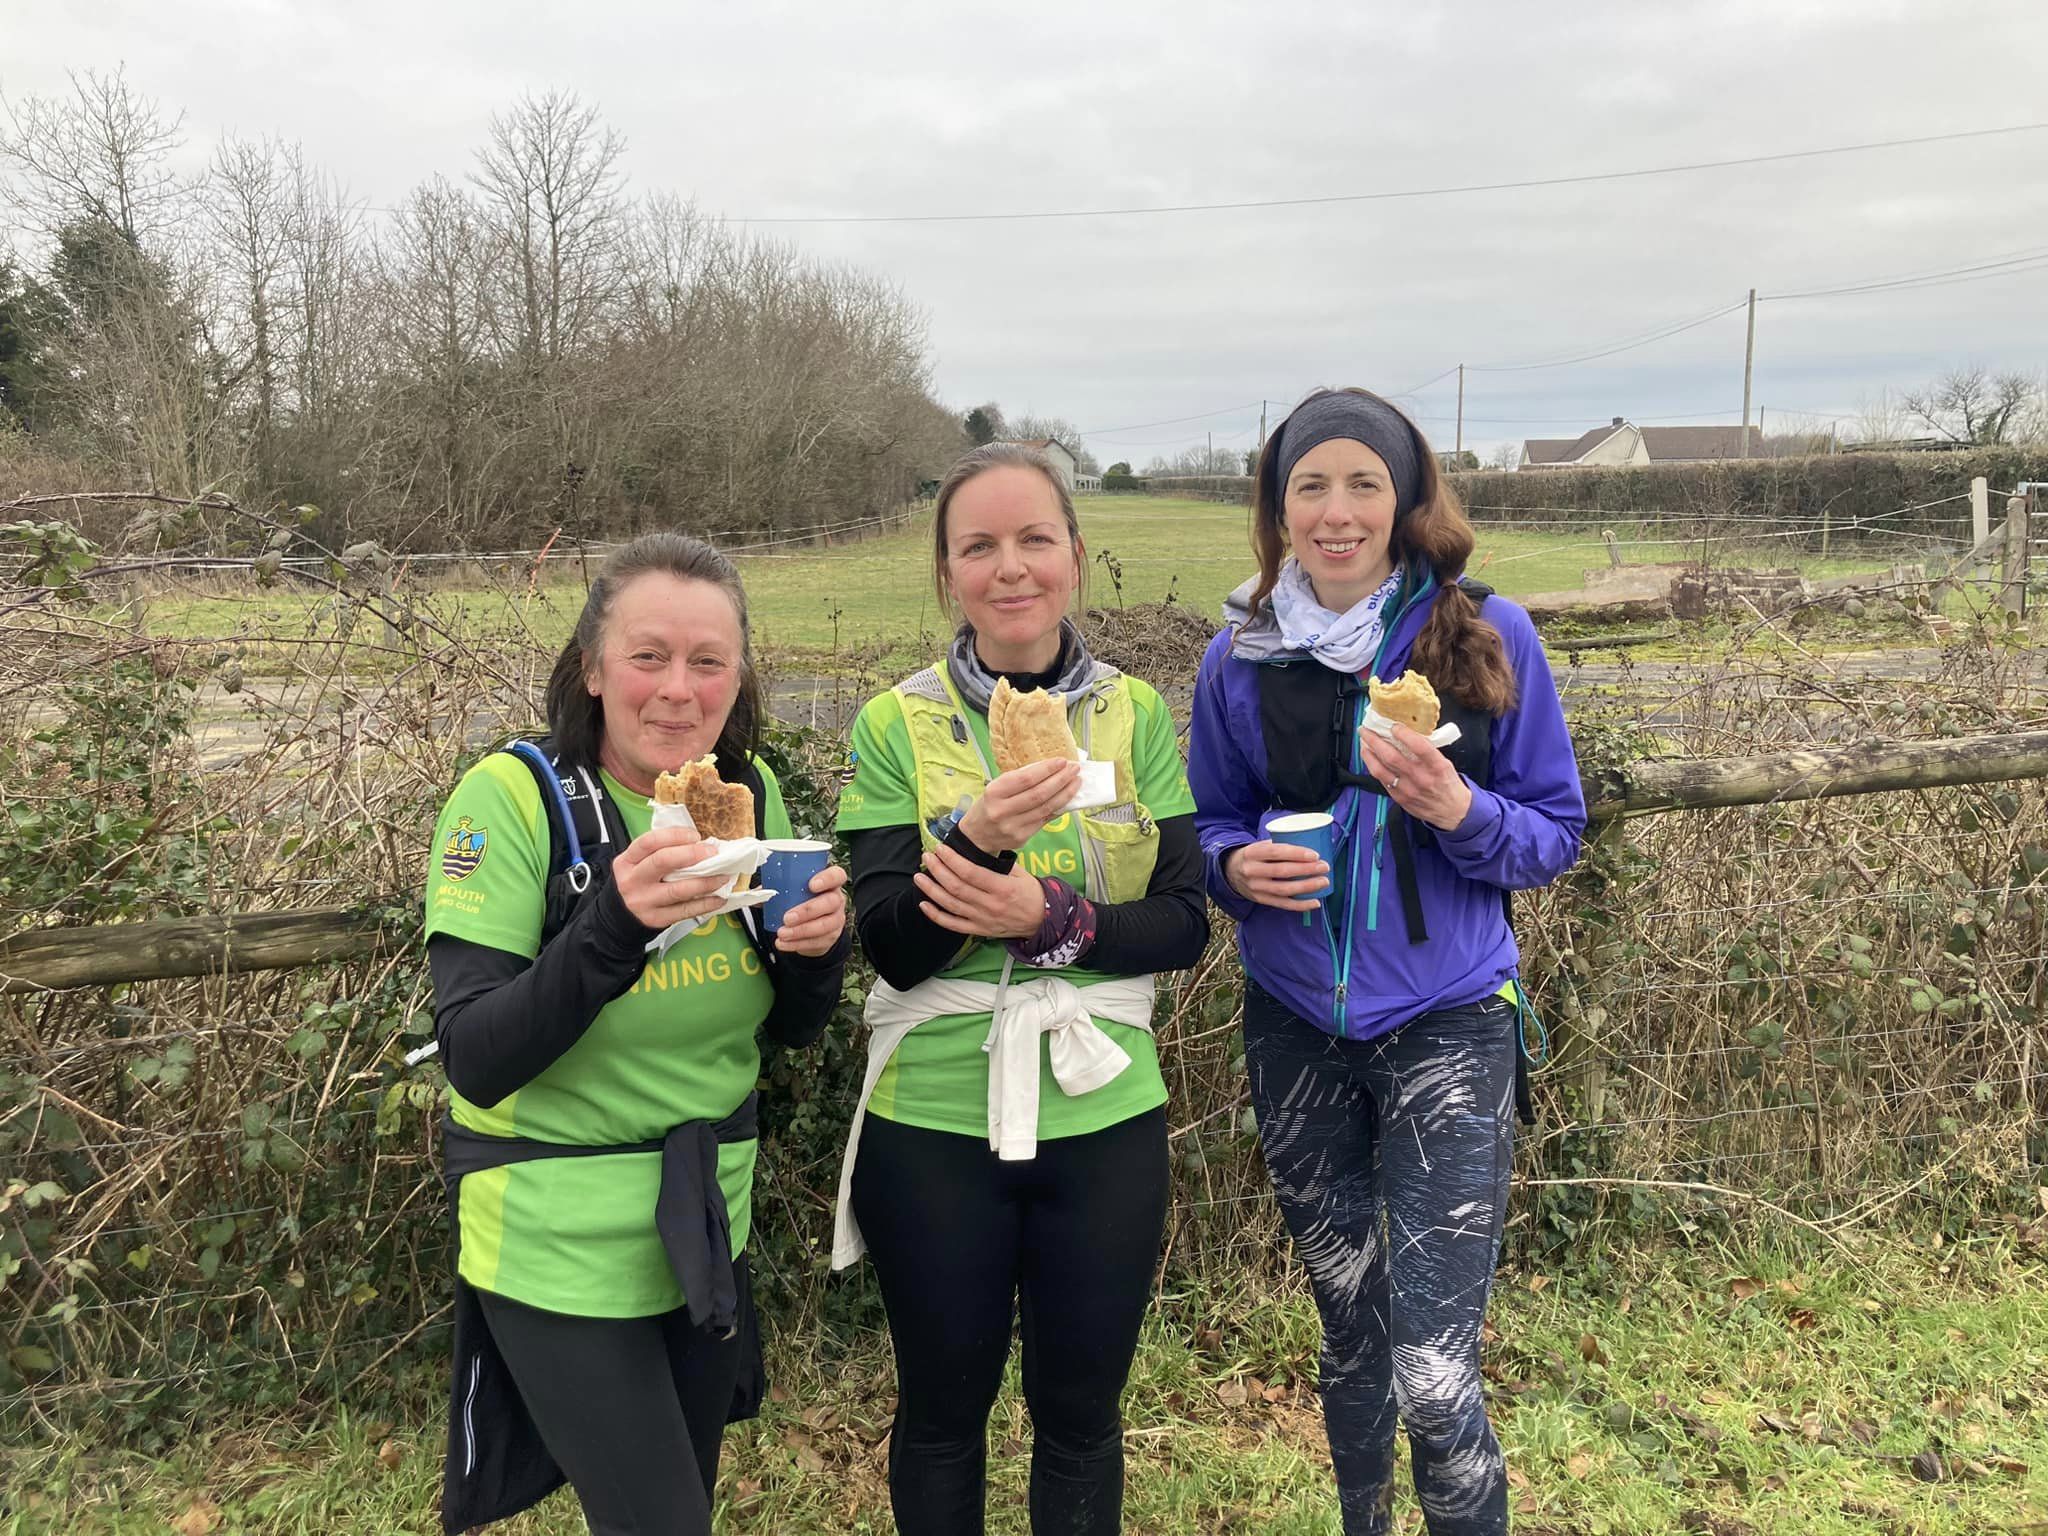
(1798, 1012)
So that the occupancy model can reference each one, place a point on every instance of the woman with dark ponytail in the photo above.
(1383, 1015)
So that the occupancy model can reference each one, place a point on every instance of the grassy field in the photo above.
(1899, 1389)
(816, 608)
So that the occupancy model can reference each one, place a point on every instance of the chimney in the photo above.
(1617, 421)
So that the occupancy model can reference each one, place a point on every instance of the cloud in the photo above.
(772, 110)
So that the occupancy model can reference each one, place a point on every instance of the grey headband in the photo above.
(1372, 422)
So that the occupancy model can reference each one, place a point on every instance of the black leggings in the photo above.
(631, 1408)
(1390, 1162)
(957, 1236)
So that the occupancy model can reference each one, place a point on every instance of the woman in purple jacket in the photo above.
(1381, 1021)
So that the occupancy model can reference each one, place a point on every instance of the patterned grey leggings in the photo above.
(1390, 1161)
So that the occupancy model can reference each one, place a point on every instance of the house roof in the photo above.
(1561, 450)
(1042, 444)
(1665, 444)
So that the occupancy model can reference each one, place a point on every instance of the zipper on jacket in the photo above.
(1342, 969)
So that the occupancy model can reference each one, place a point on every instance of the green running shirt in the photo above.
(576, 1234)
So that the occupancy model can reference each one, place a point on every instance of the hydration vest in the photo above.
(1119, 842)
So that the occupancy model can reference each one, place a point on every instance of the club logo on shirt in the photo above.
(463, 851)
(849, 768)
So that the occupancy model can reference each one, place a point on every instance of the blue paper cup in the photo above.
(1312, 830)
(791, 865)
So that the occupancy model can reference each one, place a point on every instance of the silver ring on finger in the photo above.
(1394, 782)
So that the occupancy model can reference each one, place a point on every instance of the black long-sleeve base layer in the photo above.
(1166, 929)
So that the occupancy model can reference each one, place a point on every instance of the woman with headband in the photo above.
(1382, 1009)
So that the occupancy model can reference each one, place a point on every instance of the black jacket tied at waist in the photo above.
(497, 1463)
(689, 1213)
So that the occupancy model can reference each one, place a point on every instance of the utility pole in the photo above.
(1461, 409)
(1262, 426)
(1209, 463)
(1748, 364)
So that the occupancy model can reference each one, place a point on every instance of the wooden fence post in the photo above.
(2018, 546)
(1980, 510)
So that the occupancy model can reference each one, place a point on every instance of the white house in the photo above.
(1062, 460)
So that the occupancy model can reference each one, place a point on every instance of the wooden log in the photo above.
(45, 958)
(1591, 608)
(100, 955)
(1865, 768)
(1605, 642)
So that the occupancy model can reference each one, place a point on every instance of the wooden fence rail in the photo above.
(47, 959)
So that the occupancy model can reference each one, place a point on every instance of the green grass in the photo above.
(816, 608)
(1768, 1393)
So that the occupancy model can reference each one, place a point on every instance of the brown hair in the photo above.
(979, 461)
(1457, 650)
(575, 715)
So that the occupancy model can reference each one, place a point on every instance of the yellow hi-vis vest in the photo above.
(1119, 842)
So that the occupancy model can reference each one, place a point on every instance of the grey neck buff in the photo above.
(976, 682)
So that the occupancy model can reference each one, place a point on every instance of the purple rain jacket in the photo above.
(1350, 970)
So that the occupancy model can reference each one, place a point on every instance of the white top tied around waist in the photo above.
(1083, 1058)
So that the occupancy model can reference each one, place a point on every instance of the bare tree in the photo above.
(1970, 405)
(247, 212)
(550, 179)
(325, 270)
(102, 154)
(1200, 460)
(527, 353)
(673, 244)
(1882, 418)
(1507, 455)
(1061, 431)
(2030, 426)
(433, 340)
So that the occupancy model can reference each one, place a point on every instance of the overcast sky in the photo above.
(763, 111)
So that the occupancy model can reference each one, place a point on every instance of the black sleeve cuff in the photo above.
(613, 928)
(835, 956)
(1001, 863)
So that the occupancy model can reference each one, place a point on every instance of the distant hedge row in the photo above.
(1857, 495)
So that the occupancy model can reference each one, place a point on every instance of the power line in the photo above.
(1562, 421)
(1169, 421)
(1416, 389)
(2020, 262)
(1465, 189)
(1661, 334)
(2003, 266)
